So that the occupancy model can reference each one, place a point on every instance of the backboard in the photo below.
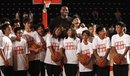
(43, 1)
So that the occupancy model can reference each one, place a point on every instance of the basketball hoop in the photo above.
(47, 3)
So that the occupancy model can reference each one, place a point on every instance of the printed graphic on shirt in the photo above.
(55, 46)
(70, 46)
(101, 48)
(119, 45)
(19, 50)
(87, 51)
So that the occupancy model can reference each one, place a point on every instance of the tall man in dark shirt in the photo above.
(63, 19)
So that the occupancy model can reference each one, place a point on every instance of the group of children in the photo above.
(34, 50)
(18, 52)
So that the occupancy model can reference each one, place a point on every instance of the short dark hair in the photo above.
(63, 6)
(17, 29)
(87, 32)
(25, 20)
(75, 16)
(90, 25)
(14, 21)
(3, 27)
(121, 23)
(39, 25)
(98, 29)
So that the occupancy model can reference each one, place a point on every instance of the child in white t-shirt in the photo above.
(101, 47)
(70, 44)
(120, 45)
(78, 26)
(92, 29)
(40, 40)
(20, 53)
(85, 48)
(34, 60)
(6, 62)
(54, 42)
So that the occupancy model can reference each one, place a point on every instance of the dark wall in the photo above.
(82, 7)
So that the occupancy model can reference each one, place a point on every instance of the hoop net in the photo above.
(47, 3)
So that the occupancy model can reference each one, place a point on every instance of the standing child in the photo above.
(6, 62)
(101, 46)
(20, 53)
(92, 29)
(85, 53)
(39, 34)
(120, 45)
(53, 53)
(34, 60)
(70, 44)
(78, 26)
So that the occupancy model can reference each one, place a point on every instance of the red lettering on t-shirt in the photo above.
(120, 45)
(70, 46)
(19, 50)
(101, 48)
(86, 52)
(55, 46)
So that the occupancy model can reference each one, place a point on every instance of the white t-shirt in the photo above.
(7, 50)
(1, 35)
(80, 30)
(101, 45)
(85, 49)
(70, 45)
(120, 43)
(92, 38)
(42, 57)
(56, 45)
(30, 36)
(39, 40)
(20, 51)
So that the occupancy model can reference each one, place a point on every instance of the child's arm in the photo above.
(1, 53)
(107, 52)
